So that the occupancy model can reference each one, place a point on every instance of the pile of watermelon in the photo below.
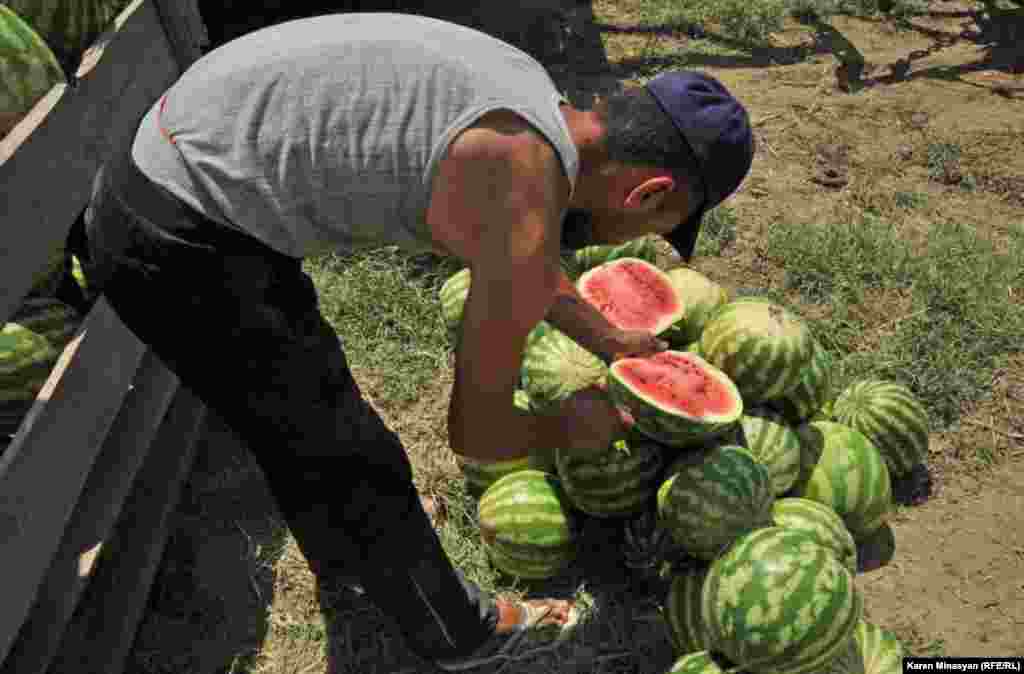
(746, 485)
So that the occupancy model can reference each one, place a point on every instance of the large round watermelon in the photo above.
(775, 443)
(762, 346)
(632, 294)
(842, 469)
(482, 474)
(778, 602)
(676, 397)
(713, 497)
(683, 610)
(813, 390)
(617, 482)
(880, 650)
(701, 297)
(891, 416)
(527, 525)
(555, 366)
(821, 522)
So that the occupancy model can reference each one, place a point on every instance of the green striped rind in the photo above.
(701, 297)
(775, 444)
(777, 602)
(666, 320)
(762, 346)
(26, 359)
(713, 497)
(527, 526)
(28, 68)
(696, 663)
(585, 259)
(891, 416)
(615, 483)
(811, 392)
(50, 318)
(453, 295)
(675, 429)
(68, 26)
(555, 366)
(880, 650)
(480, 474)
(841, 468)
(682, 611)
(821, 522)
(848, 660)
(693, 347)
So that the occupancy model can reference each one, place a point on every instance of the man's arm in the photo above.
(580, 320)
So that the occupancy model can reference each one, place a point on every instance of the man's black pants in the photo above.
(239, 324)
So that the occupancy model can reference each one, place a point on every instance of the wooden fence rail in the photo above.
(88, 483)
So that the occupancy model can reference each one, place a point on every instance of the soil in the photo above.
(831, 141)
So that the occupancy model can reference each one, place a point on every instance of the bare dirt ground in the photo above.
(234, 593)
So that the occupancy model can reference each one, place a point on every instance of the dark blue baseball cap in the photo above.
(716, 129)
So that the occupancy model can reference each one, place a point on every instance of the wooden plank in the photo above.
(184, 28)
(43, 470)
(102, 631)
(47, 174)
(126, 447)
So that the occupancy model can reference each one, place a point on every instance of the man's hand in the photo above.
(593, 421)
(629, 343)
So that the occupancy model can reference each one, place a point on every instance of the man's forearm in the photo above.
(578, 319)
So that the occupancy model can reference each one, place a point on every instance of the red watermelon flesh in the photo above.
(633, 295)
(678, 383)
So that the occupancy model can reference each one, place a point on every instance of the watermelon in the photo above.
(28, 68)
(68, 26)
(891, 417)
(842, 469)
(768, 437)
(812, 391)
(676, 398)
(848, 660)
(481, 474)
(693, 347)
(762, 346)
(821, 522)
(632, 294)
(585, 259)
(453, 295)
(713, 497)
(701, 297)
(527, 526)
(555, 366)
(778, 602)
(880, 650)
(51, 318)
(700, 662)
(617, 482)
(683, 610)
(26, 359)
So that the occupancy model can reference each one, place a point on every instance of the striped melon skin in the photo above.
(775, 444)
(555, 366)
(711, 498)
(68, 26)
(848, 660)
(615, 483)
(632, 294)
(760, 345)
(880, 650)
(683, 610)
(527, 526)
(701, 297)
(28, 68)
(821, 522)
(585, 259)
(812, 391)
(50, 318)
(480, 474)
(891, 416)
(26, 359)
(674, 427)
(453, 295)
(842, 469)
(777, 602)
(701, 662)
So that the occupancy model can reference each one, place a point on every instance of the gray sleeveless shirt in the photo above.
(325, 133)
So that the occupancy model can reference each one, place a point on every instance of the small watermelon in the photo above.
(778, 602)
(676, 398)
(842, 469)
(762, 346)
(821, 522)
(555, 366)
(701, 297)
(527, 525)
(615, 483)
(775, 444)
(891, 416)
(632, 294)
(711, 498)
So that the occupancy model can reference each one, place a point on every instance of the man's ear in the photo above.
(648, 195)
